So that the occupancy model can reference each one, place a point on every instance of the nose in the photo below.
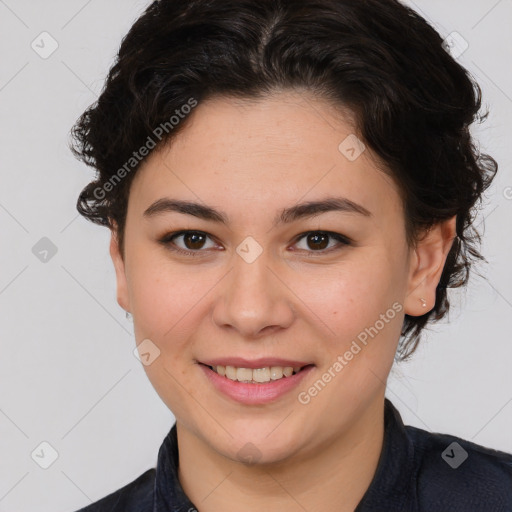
(254, 301)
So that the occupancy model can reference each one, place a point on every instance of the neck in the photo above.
(332, 477)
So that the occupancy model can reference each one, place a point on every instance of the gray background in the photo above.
(68, 375)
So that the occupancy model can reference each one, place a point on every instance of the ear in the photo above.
(426, 266)
(117, 259)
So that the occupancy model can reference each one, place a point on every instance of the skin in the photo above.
(251, 159)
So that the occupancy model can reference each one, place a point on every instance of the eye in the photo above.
(193, 240)
(318, 240)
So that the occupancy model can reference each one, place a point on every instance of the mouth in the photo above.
(254, 383)
(262, 375)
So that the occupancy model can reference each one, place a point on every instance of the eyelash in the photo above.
(167, 242)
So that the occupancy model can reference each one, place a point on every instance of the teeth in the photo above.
(258, 375)
(243, 374)
(231, 372)
(261, 374)
(276, 372)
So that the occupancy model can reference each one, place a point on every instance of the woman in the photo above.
(290, 189)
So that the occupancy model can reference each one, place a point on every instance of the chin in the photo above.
(257, 448)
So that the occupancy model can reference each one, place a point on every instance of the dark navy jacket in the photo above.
(418, 471)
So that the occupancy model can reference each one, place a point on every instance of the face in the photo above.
(267, 281)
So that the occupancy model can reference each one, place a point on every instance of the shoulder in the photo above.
(137, 496)
(456, 474)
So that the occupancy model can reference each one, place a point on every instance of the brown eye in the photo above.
(193, 243)
(318, 241)
(194, 240)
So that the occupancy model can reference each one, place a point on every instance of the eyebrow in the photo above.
(288, 215)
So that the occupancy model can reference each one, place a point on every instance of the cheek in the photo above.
(168, 299)
(349, 297)
(361, 311)
(166, 309)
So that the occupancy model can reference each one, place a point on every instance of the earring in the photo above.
(423, 303)
(128, 315)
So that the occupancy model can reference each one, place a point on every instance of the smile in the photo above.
(253, 386)
(257, 375)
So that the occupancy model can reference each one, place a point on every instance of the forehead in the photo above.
(278, 150)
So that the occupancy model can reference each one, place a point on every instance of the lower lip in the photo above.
(255, 393)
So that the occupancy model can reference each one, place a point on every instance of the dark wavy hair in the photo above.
(413, 104)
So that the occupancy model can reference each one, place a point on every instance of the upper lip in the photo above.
(263, 362)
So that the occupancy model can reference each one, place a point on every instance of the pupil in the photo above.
(316, 237)
(195, 237)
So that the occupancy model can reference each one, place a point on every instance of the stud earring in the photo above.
(128, 315)
(423, 303)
